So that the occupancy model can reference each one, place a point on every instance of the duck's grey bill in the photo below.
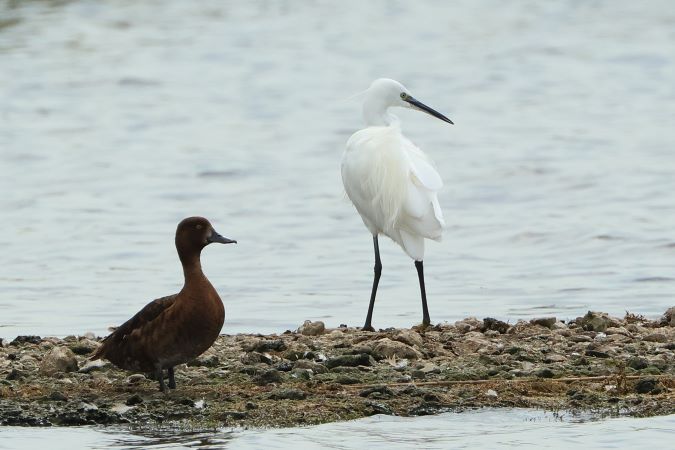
(422, 107)
(215, 237)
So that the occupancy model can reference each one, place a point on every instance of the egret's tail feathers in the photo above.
(412, 244)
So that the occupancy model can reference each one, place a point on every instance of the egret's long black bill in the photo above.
(215, 237)
(422, 107)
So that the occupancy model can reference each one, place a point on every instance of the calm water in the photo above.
(479, 429)
(119, 119)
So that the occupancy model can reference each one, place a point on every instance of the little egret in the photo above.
(392, 183)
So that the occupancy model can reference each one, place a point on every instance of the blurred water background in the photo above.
(118, 119)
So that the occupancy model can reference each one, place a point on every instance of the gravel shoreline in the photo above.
(595, 364)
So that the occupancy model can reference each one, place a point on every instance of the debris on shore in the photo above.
(594, 364)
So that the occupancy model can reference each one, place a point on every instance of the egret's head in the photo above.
(385, 93)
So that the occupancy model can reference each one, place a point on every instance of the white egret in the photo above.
(392, 183)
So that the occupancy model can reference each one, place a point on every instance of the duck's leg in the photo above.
(159, 374)
(172, 380)
(376, 281)
(426, 321)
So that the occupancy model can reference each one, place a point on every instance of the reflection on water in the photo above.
(116, 121)
(487, 428)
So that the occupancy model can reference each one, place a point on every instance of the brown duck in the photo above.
(175, 329)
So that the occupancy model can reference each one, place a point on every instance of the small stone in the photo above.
(384, 391)
(58, 396)
(468, 324)
(91, 366)
(669, 317)
(302, 374)
(597, 353)
(350, 360)
(267, 376)
(491, 393)
(344, 379)
(284, 366)
(135, 378)
(656, 337)
(263, 345)
(30, 339)
(252, 358)
(545, 373)
(235, 415)
(288, 394)
(59, 359)
(418, 375)
(134, 400)
(495, 325)
(555, 358)
(547, 322)
(638, 363)
(15, 374)
(646, 386)
(251, 405)
(386, 348)
(379, 408)
(309, 328)
(304, 364)
(204, 361)
(596, 321)
(581, 338)
(409, 337)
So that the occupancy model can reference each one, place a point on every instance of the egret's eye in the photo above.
(199, 226)
(404, 95)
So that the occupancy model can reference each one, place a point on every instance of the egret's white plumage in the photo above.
(393, 186)
(391, 182)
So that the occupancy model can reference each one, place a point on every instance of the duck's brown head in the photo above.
(195, 233)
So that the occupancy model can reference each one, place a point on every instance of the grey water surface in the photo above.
(118, 119)
(488, 428)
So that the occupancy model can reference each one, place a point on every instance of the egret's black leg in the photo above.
(376, 281)
(419, 265)
(172, 380)
(159, 374)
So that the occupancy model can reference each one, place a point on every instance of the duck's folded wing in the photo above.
(146, 315)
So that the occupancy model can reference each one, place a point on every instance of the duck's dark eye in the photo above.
(199, 226)
(404, 95)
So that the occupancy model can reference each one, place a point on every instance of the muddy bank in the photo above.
(596, 363)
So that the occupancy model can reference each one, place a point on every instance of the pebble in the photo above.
(409, 337)
(350, 360)
(646, 386)
(386, 348)
(669, 317)
(91, 366)
(135, 378)
(59, 359)
(267, 376)
(310, 328)
(288, 394)
(546, 322)
(656, 337)
(491, 393)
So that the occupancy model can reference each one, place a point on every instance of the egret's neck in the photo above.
(376, 114)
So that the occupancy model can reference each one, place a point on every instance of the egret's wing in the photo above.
(421, 213)
(422, 167)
